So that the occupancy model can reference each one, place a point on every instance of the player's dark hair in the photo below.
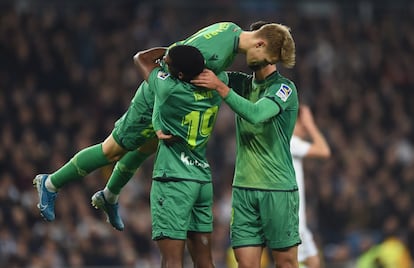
(257, 25)
(186, 59)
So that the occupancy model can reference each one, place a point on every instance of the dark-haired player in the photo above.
(181, 191)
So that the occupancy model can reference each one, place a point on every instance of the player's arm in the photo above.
(148, 60)
(319, 147)
(254, 113)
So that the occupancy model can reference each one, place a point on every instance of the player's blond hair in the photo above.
(280, 42)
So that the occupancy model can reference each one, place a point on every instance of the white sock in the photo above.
(49, 185)
(110, 197)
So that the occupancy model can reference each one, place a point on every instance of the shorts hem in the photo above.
(284, 245)
(248, 245)
(118, 141)
(166, 235)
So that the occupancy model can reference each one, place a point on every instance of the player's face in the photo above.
(257, 57)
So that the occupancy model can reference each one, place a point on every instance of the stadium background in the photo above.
(66, 75)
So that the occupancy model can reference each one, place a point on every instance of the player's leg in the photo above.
(246, 230)
(201, 227)
(248, 257)
(126, 168)
(199, 246)
(171, 205)
(172, 252)
(133, 130)
(279, 211)
(307, 251)
(286, 258)
(81, 164)
(107, 199)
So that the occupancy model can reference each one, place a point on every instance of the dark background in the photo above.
(66, 75)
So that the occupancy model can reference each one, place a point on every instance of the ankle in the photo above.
(49, 185)
(110, 197)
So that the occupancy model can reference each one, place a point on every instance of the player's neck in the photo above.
(246, 40)
(265, 72)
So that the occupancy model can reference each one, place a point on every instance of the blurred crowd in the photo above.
(66, 75)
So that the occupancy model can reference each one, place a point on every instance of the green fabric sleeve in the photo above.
(254, 113)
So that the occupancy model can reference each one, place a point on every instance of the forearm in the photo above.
(252, 112)
(222, 89)
(320, 147)
(146, 60)
(152, 54)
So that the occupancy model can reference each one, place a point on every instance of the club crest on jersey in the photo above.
(162, 75)
(284, 92)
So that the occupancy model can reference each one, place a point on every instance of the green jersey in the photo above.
(218, 43)
(189, 113)
(263, 157)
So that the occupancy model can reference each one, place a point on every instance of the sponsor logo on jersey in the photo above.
(192, 162)
(284, 92)
(162, 75)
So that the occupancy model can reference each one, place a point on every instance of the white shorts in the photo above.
(308, 247)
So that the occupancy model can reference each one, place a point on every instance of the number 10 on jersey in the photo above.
(200, 125)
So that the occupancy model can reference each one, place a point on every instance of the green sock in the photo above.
(124, 170)
(83, 163)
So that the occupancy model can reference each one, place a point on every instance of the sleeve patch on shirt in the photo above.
(162, 75)
(284, 92)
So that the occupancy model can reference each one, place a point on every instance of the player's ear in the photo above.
(260, 43)
(180, 75)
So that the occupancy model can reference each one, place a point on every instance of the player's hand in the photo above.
(162, 136)
(167, 138)
(209, 80)
(306, 117)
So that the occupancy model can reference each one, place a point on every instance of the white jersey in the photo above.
(299, 148)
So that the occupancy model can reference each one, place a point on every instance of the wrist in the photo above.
(223, 90)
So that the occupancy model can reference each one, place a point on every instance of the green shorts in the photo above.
(134, 128)
(180, 206)
(262, 218)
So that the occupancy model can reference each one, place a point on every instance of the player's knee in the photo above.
(244, 262)
(112, 150)
(113, 154)
(287, 263)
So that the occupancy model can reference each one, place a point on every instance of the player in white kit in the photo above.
(307, 142)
